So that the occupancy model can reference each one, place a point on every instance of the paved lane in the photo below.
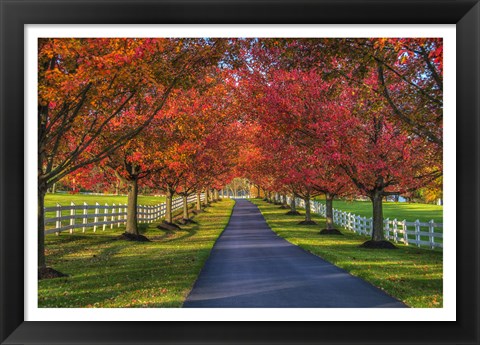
(250, 266)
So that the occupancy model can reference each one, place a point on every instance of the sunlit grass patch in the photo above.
(79, 199)
(410, 274)
(105, 272)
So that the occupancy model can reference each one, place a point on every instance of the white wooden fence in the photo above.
(417, 233)
(95, 216)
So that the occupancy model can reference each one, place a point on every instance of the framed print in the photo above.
(192, 31)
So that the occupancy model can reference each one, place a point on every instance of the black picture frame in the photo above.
(15, 14)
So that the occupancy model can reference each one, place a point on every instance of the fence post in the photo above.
(119, 216)
(85, 216)
(417, 232)
(404, 228)
(112, 219)
(395, 238)
(370, 226)
(395, 227)
(387, 228)
(431, 230)
(105, 217)
(72, 217)
(395, 234)
(96, 217)
(405, 234)
(58, 214)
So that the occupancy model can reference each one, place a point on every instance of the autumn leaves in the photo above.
(294, 116)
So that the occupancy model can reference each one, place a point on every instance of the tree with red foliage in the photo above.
(409, 73)
(87, 84)
(380, 157)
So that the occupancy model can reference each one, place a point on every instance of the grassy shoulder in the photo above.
(107, 273)
(392, 210)
(413, 275)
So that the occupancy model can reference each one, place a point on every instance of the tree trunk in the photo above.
(132, 226)
(168, 209)
(217, 197)
(377, 233)
(329, 211)
(308, 217)
(258, 192)
(284, 200)
(199, 202)
(205, 200)
(212, 195)
(41, 225)
(185, 206)
(293, 206)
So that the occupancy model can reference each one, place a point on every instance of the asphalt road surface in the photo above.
(251, 267)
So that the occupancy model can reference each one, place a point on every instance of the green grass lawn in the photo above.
(392, 210)
(411, 274)
(105, 272)
(79, 199)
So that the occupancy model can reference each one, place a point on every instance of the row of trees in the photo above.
(294, 116)
(345, 117)
(142, 111)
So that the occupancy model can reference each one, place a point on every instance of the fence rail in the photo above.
(81, 216)
(409, 233)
